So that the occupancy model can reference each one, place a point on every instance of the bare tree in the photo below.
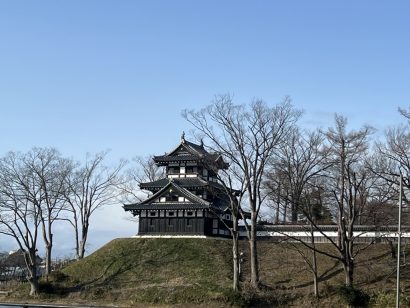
(294, 178)
(144, 169)
(20, 213)
(228, 178)
(297, 165)
(348, 153)
(90, 187)
(347, 184)
(394, 156)
(247, 137)
(50, 171)
(405, 113)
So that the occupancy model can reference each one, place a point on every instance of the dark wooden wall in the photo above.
(174, 225)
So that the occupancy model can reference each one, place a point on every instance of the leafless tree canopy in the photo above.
(90, 187)
(247, 136)
(143, 169)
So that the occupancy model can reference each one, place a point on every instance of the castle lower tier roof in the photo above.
(164, 206)
(196, 201)
(190, 183)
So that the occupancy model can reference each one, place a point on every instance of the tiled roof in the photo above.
(221, 204)
(191, 152)
(181, 191)
(164, 206)
(176, 158)
(183, 182)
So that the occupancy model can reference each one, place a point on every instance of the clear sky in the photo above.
(85, 76)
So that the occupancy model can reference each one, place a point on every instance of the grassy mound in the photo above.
(138, 272)
(166, 271)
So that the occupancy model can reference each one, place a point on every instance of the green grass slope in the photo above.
(138, 272)
(166, 271)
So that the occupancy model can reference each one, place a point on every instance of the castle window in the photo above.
(171, 213)
(189, 213)
(153, 214)
(171, 198)
(173, 170)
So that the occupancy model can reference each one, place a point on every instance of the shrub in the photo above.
(58, 276)
(384, 299)
(352, 296)
(46, 287)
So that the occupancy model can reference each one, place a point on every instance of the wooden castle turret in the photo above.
(189, 200)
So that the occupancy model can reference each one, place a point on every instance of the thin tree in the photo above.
(228, 178)
(50, 171)
(90, 187)
(247, 136)
(298, 164)
(347, 185)
(20, 215)
(298, 167)
(348, 152)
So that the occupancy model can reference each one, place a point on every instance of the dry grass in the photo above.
(135, 272)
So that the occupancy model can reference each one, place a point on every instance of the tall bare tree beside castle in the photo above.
(246, 135)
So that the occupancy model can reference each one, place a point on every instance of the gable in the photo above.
(175, 193)
(181, 150)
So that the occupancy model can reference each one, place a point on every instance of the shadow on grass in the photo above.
(58, 286)
(375, 258)
(328, 274)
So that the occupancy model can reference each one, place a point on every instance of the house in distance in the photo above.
(189, 200)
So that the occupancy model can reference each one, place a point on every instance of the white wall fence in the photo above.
(326, 233)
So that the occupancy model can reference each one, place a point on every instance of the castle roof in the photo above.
(188, 182)
(188, 151)
(194, 201)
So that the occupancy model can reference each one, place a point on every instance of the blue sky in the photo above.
(85, 76)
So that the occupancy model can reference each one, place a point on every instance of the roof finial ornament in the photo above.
(202, 143)
(183, 137)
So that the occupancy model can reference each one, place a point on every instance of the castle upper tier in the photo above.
(189, 200)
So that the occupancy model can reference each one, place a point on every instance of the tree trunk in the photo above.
(294, 210)
(235, 255)
(348, 267)
(49, 248)
(48, 259)
(253, 253)
(83, 241)
(314, 263)
(81, 251)
(235, 252)
(34, 286)
(315, 283)
(77, 238)
(31, 262)
(277, 205)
